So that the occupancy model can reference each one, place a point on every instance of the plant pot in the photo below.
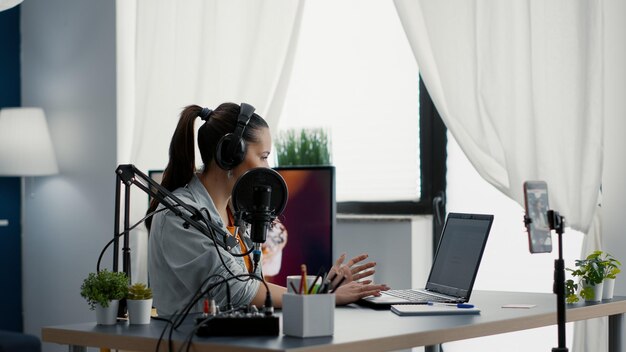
(597, 292)
(139, 311)
(107, 315)
(607, 291)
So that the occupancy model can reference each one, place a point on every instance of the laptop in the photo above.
(454, 268)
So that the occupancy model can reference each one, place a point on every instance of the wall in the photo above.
(68, 69)
(401, 247)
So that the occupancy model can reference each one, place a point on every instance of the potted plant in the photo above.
(139, 303)
(103, 290)
(611, 269)
(309, 146)
(590, 272)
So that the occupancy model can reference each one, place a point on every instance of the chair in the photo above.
(11, 341)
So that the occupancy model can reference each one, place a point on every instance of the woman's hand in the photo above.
(353, 291)
(350, 270)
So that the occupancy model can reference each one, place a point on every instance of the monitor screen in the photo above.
(305, 232)
(308, 220)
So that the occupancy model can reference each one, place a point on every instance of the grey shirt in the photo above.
(180, 259)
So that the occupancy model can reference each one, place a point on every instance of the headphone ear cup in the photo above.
(230, 151)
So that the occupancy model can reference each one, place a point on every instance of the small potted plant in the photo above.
(103, 290)
(139, 303)
(611, 269)
(591, 273)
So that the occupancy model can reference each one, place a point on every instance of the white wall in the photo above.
(401, 247)
(68, 69)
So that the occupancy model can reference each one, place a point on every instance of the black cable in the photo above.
(116, 236)
(178, 318)
(233, 254)
(219, 254)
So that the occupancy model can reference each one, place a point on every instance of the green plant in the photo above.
(303, 147)
(590, 271)
(139, 291)
(611, 266)
(104, 286)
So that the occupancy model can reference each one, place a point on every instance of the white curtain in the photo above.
(519, 85)
(175, 53)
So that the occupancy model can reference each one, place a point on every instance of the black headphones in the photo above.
(231, 149)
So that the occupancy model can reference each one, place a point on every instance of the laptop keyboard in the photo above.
(412, 295)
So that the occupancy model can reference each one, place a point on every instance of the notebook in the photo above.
(454, 268)
(425, 309)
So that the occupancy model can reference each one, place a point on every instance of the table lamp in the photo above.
(7, 4)
(25, 144)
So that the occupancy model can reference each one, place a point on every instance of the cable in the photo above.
(116, 236)
(219, 254)
(178, 318)
(213, 234)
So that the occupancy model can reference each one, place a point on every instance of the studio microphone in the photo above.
(258, 197)
(261, 212)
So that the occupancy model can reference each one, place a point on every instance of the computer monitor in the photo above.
(309, 220)
(306, 229)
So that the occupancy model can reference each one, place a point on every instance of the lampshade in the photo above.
(7, 4)
(25, 144)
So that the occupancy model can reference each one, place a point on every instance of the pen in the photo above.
(324, 286)
(338, 284)
(458, 305)
(293, 287)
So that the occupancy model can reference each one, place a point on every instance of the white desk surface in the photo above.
(356, 328)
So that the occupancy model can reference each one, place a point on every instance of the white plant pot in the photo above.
(107, 315)
(607, 291)
(139, 311)
(597, 292)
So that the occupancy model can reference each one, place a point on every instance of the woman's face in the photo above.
(257, 153)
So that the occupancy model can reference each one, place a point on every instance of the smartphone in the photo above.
(536, 202)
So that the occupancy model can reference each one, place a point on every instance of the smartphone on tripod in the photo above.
(537, 225)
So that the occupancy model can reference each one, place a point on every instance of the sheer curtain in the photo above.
(175, 53)
(519, 85)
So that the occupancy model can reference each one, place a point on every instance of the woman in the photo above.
(231, 141)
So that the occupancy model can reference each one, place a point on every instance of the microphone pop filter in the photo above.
(244, 190)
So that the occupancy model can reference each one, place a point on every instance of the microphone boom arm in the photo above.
(129, 175)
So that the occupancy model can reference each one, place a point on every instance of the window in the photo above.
(354, 73)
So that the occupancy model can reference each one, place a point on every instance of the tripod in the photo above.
(557, 223)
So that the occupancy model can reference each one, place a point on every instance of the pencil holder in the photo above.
(308, 315)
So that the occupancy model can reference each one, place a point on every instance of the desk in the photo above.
(363, 329)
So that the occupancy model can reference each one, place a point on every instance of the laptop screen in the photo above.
(459, 253)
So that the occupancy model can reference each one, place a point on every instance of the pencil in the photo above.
(303, 285)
